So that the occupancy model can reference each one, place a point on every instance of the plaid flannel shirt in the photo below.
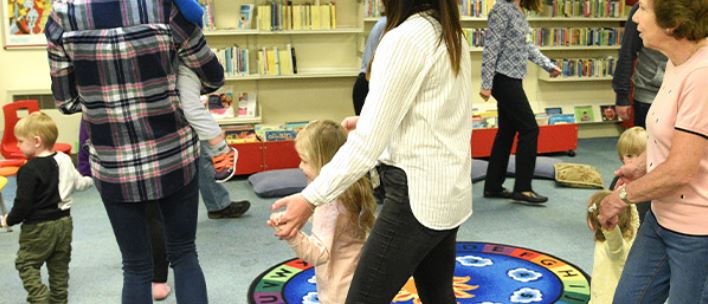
(116, 62)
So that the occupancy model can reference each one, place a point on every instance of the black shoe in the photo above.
(529, 196)
(503, 193)
(234, 210)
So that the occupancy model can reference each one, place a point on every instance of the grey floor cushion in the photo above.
(276, 183)
(479, 169)
(544, 167)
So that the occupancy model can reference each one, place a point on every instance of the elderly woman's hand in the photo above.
(633, 169)
(610, 208)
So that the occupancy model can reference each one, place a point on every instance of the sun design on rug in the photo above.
(410, 293)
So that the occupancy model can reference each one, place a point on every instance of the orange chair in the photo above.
(8, 147)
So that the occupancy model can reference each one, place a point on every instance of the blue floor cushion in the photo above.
(277, 183)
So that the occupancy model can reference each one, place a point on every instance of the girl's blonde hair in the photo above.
(38, 124)
(625, 218)
(317, 143)
(633, 141)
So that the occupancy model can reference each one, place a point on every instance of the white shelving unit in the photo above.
(344, 73)
(232, 32)
(545, 78)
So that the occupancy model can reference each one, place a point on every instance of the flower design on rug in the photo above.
(474, 261)
(487, 302)
(311, 298)
(312, 280)
(527, 295)
(524, 275)
(410, 293)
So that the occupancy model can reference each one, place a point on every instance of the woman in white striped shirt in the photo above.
(417, 122)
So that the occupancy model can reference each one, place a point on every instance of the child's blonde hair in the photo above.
(625, 218)
(317, 143)
(633, 141)
(38, 124)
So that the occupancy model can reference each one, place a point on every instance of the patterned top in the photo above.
(507, 45)
(116, 62)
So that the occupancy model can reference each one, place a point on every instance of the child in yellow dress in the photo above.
(339, 229)
(611, 248)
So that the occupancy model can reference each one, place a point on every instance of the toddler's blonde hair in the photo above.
(625, 217)
(632, 141)
(317, 143)
(38, 124)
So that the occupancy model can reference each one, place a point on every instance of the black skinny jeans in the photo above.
(398, 247)
(515, 116)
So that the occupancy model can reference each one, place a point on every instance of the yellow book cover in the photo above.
(272, 68)
(324, 17)
(297, 17)
(316, 17)
(333, 15)
(286, 65)
(264, 12)
(261, 64)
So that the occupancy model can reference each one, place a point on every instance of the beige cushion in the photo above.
(578, 175)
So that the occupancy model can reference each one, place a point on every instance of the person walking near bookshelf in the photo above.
(223, 156)
(142, 149)
(361, 85)
(217, 160)
(417, 121)
(668, 257)
(506, 50)
(646, 76)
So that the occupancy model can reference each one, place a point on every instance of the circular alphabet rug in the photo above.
(485, 273)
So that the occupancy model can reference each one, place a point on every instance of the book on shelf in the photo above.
(246, 17)
(577, 36)
(276, 61)
(234, 59)
(220, 103)
(208, 19)
(286, 16)
(586, 67)
(242, 133)
(555, 119)
(609, 113)
(247, 104)
(582, 8)
(554, 110)
(541, 119)
(584, 114)
(296, 125)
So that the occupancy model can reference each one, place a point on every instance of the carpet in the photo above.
(485, 273)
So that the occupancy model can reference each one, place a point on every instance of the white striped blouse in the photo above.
(418, 117)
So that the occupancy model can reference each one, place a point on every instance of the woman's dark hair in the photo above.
(686, 17)
(444, 11)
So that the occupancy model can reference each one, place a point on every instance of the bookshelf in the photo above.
(311, 74)
(326, 60)
(235, 32)
(546, 78)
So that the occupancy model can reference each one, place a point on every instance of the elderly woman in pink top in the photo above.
(670, 255)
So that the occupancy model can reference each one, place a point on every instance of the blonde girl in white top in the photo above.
(416, 121)
(611, 248)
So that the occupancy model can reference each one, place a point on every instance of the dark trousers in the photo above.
(398, 247)
(46, 242)
(132, 232)
(515, 116)
(640, 113)
(159, 246)
(361, 89)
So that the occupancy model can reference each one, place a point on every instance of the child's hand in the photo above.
(274, 222)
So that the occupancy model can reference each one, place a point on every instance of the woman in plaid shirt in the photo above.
(116, 62)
